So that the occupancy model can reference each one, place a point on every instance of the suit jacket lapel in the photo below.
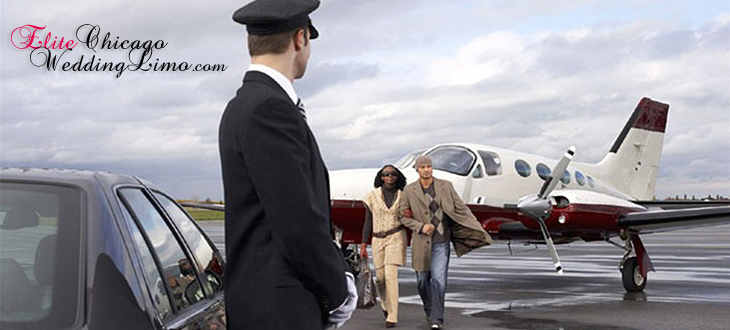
(418, 191)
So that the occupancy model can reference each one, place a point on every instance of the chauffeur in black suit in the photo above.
(283, 272)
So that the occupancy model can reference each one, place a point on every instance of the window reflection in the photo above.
(492, 162)
(566, 178)
(170, 255)
(543, 171)
(408, 160)
(580, 178)
(209, 262)
(155, 281)
(455, 160)
(523, 168)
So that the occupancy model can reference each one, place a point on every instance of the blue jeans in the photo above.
(432, 284)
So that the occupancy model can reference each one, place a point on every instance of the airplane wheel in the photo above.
(631, 275)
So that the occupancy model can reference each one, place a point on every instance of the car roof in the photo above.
(77, 177)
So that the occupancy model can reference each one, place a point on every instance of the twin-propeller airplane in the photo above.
(519, 197)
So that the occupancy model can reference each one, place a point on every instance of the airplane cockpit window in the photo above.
(580, 178)
(407, 160)
(543, 171)
(590, 182)
(523, 168)
(478, 173)
(492, 162)
(451, 159)
(566, 178)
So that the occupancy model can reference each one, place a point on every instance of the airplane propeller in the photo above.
(538, 206)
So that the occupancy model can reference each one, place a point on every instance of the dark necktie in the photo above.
(300, 105)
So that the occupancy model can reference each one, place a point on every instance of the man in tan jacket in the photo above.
(435, 213)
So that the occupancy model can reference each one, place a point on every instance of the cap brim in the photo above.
(313, 33)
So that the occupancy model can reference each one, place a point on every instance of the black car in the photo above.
(96, 250)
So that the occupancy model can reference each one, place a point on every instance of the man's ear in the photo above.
(300, 40)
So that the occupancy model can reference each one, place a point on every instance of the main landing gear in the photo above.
(631, 276)
(633, 273)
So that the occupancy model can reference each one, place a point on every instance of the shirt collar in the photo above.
(280, 79)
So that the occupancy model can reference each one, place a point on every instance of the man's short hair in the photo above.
(275, 43)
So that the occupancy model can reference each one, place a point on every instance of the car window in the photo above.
(455, 160)
(157, 289)
(208, 261)
(39, 255)
(177, 270)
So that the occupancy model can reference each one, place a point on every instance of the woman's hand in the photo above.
(364, 250)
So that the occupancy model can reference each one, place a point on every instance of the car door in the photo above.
(171, 270)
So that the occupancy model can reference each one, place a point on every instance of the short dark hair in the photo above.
(260, 44)
(400, 183)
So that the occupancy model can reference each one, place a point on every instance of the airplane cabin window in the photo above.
(580, 178)
(543, 171)
(407, 160)
(492, 162)
(566, 178)
(590, 182)
(523, 168)
(477, 172)
(452, 159)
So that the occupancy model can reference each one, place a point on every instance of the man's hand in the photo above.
(363, 250)
(427, 229)
(339, 316)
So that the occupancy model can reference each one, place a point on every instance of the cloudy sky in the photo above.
(386, 77)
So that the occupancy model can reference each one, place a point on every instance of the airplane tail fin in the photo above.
(632, 164)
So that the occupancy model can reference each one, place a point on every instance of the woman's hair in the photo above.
(399, 184)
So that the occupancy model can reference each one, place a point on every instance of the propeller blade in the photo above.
(558, 172)
(538, 206)
(554, 255)
(550, 246)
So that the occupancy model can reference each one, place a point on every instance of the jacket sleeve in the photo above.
(367, 227)
(411, 223)
(460, 207)
(278, 157)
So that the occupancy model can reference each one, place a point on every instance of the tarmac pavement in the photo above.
(495, 288)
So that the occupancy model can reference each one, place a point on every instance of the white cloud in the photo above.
(386, 78)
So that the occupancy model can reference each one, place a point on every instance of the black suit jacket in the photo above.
(283, 270)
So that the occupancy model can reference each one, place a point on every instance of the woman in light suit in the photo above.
(389, 237)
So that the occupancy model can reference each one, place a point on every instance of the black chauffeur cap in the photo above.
(273, 16)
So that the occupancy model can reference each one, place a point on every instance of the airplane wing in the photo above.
(349, 215)
(671, 205)
(665, 220)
